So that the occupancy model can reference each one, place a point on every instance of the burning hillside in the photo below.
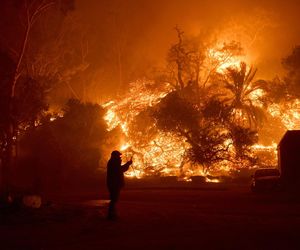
(224, 137)
(152, 151)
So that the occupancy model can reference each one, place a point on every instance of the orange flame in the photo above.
(165, 153)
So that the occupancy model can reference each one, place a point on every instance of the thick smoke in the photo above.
(128, 37)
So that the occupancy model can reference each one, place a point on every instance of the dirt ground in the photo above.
(159, 218)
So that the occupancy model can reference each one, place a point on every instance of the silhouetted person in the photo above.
(115, 180)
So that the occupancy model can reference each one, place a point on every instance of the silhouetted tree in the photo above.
(176, 114)
(242, 140)
(216, 109)
(209, 144)
(240, 84)
(292, 64)
(28, 104)
(207, 136)
(275, 91)
(184, 59)
(210, 131)
(142, 129)
(192, 65)
(86, 131)
(18, 84)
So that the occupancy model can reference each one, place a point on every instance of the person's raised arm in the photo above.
(126, 166)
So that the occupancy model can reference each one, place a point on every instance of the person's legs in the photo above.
(114, 196)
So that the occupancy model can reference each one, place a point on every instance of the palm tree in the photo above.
(241, 93)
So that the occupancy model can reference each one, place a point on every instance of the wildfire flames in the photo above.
(162, 151)
(290, 114)
(165, 153)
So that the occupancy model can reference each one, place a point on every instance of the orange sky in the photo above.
(142, 31)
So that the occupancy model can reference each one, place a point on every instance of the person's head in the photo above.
(116, 154)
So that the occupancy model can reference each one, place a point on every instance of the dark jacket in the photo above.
(115, 173)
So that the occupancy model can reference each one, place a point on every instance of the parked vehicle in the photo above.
(265, 179)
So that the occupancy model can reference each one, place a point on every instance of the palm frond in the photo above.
(249, 77)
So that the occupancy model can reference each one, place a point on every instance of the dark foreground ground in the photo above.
(159, 218)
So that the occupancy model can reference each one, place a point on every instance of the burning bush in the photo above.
(211, 135)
